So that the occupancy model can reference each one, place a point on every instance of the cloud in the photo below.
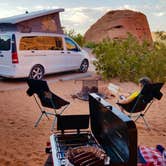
(6, 13)
(20, 8)
(80, 18)
(41, 7)
(75, 16)
(159, 14)
(126, 6)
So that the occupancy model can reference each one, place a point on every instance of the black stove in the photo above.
(110, 130)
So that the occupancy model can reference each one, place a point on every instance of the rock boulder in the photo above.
(115, 25)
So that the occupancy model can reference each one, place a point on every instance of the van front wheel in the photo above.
(37, 72)
(84, 66)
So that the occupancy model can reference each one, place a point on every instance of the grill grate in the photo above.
(66, 141)
(86, 155)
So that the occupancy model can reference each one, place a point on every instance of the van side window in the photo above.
(5, 43)
(41, 43)
(70, 45)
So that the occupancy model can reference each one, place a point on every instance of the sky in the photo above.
(81, 14)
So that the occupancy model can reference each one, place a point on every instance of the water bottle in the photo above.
(164, 158)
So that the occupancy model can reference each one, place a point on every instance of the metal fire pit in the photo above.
(88, 86)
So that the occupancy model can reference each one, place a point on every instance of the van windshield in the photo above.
(4, 43)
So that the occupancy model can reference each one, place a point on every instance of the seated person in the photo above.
(125, 99)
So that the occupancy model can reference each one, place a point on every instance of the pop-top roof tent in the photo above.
(39, 21)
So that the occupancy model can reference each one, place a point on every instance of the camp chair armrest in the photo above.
(29, 92)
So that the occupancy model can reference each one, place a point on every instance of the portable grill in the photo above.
(111, 139)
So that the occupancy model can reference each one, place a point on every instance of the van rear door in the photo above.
(5, 50)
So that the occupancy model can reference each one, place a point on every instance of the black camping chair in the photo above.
(47, 99)
(143, 101)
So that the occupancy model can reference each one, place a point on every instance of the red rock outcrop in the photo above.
(115, 25)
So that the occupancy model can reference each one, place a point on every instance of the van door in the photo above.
(5, 50)
(73, 54)
(55, 54)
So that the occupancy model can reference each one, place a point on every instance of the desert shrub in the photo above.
(76, 37)
(90, 45)
(160, 35)
(129, 60)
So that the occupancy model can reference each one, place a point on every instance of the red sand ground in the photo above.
(23, 145)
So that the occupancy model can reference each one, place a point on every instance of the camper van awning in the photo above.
(28, 16)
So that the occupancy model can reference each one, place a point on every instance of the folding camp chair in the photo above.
(40, 89)
(143, 101)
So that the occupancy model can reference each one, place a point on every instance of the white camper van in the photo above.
(36, 54)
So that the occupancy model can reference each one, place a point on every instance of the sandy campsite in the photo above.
(23, 145)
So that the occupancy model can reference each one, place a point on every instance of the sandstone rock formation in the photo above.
(115, 25)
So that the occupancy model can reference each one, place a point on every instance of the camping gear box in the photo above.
(112, 134)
